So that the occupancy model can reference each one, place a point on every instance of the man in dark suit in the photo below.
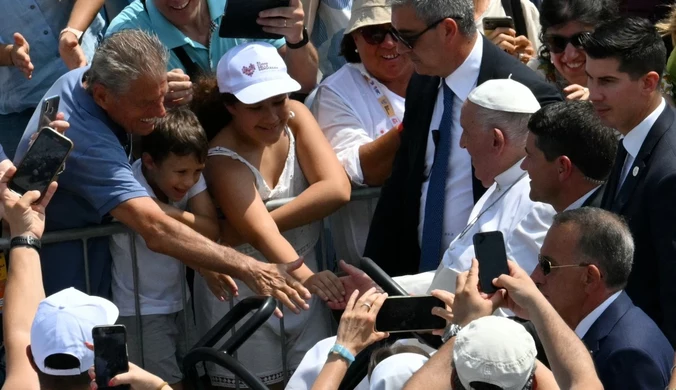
(625, 61)
(569, 155)
(427, 200)
(585, 262)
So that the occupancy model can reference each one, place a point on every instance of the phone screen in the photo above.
(41, 163)
(48, 111)
(489, 248)
(110, 353)
(405, 314)
(239, 19)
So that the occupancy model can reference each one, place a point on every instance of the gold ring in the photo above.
(367, 305)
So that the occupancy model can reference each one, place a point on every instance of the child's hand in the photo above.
(221, 285)
(327, 286)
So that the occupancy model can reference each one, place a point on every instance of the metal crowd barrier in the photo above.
(85, 234)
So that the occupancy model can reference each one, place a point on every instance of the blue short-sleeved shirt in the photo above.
(135, 16)
(97, 178)
(40, 22)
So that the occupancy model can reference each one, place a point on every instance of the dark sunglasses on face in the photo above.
(547, 267)
(557, 43)
(410, 40)
(375, 35)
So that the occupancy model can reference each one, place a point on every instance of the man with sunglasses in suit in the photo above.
(584, 265)
(625, 61)
(427, 200)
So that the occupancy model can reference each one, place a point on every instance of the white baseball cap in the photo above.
(494, 350)
(254, 72)
(62, 324)
(505, 95)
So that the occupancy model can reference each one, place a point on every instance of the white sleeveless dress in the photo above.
(262, 353)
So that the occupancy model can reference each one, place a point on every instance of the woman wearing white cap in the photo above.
(264, 146)
(360, 109)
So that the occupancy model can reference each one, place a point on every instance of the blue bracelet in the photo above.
(342, 352)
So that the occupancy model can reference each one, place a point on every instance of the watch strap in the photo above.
(303, 42)
(451, 330)
(342, 352)
(25, 241)
(78, 34)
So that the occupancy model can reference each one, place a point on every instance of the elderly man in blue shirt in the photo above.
(40, 40)
(189, 29)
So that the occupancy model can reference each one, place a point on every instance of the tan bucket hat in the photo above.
(369, 13)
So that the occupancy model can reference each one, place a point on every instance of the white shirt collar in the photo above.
(509, 177)
(634, 139)
(463, 80)
(578, 203)
(584, 325)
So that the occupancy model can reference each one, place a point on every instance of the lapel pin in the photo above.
(635, 171)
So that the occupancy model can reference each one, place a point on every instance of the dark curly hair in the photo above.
(209, 103)
(559, 12)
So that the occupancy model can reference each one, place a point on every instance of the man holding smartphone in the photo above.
(190, 31)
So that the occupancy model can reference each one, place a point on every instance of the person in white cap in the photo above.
(496, 351)
(360, 109)
(265, 147)
(48, 341)
(495, 127)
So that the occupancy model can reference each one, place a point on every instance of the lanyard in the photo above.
(473, 222)
(384, 102)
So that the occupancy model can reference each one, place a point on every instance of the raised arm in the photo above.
(82, 15)
(24, 289)
(570, 361)
(329, 186)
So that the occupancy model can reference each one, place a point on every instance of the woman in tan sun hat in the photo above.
(360, 109)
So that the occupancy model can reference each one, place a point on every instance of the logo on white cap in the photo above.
(254, 72)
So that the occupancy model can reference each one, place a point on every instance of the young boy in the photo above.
(170, 168)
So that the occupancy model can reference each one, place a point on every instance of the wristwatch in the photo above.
(78, 34)
(302, 42)
(450, 331)
(25, 241)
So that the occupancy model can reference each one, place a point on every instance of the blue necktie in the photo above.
(433, 224)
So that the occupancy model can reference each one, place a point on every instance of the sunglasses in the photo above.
(547, 267)
(375, 35)
(410, 40)
(557, 43)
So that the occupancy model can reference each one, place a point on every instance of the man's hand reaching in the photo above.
(274, 280)
(469, 303)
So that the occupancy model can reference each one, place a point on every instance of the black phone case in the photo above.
(239, 20)
(495, 238)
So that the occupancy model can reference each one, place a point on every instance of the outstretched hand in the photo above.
(356, 279)
(470, 303)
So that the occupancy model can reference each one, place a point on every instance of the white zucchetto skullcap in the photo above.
(505, 95)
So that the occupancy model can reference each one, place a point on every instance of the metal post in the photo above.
(137, 299)
(282, 334)
(186, 307)
(85, 252)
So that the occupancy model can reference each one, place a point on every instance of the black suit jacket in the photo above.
(647, 201)
(596, 198)
(393, 237)
(629, 350)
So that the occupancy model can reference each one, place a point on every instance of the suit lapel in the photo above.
(614, 179)
(638, 168)
(606, 322)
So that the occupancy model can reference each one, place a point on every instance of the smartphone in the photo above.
(41, 163)
(409, 314)
(239, 19)
(48, 111)
(491, 24)
(489, 248)
(110, 354)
